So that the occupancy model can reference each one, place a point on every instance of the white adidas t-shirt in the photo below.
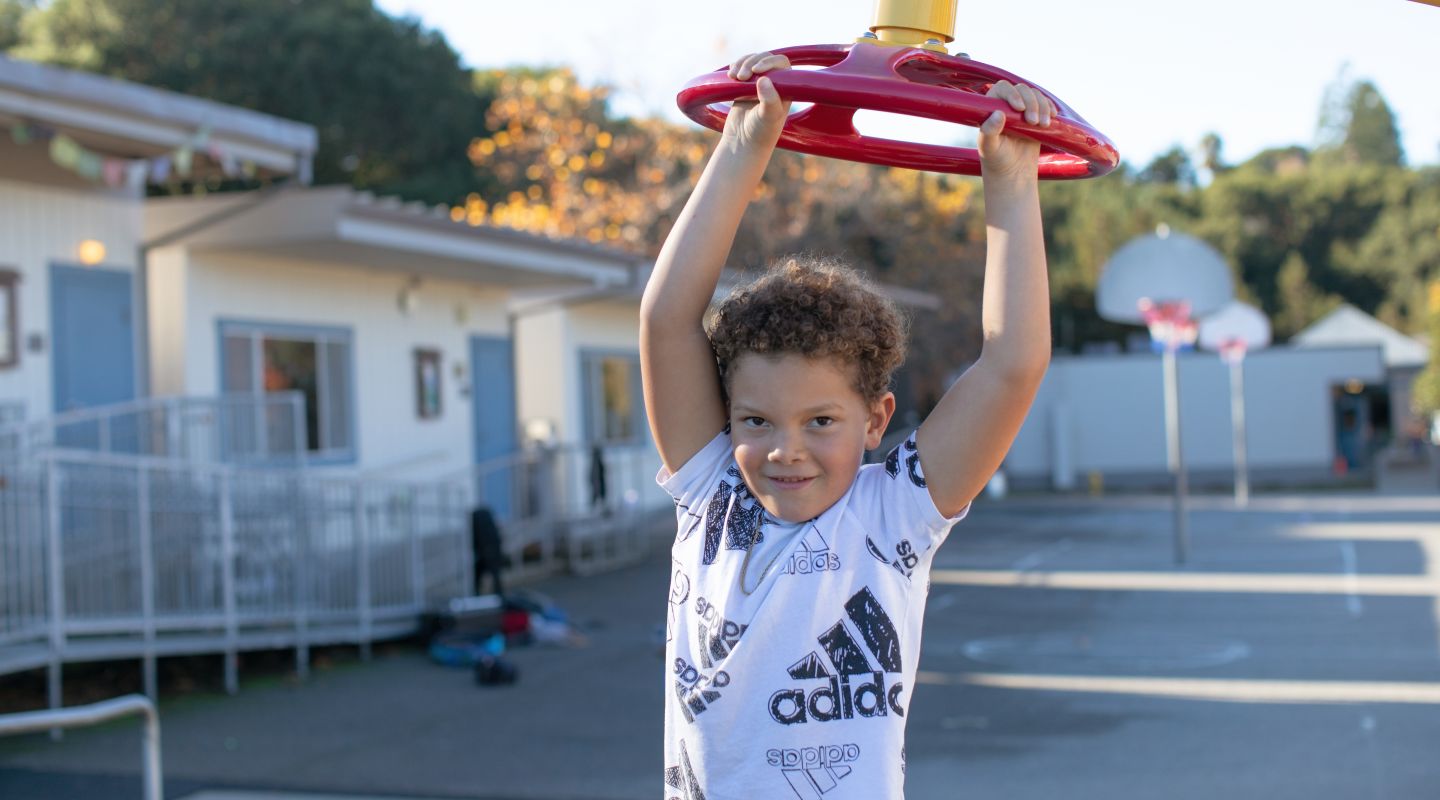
(800, 688)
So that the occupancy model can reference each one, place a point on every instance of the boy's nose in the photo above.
(787, 449)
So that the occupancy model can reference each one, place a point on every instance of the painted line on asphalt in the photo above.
(1032, 560)
(1373, 585)
(1217, 689)
(1353, 603)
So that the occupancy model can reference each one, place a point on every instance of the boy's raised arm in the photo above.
(682, 385)
(966, 437)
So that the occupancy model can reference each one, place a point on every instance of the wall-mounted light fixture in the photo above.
(90, 252)
(409, 298)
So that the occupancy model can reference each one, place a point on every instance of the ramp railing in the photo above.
(571, 506)
(106, 556)
(152, 780)
(238, 428)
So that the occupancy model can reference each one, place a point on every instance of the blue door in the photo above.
(92, 337)
(492, 382)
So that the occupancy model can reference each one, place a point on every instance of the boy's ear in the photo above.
(880, 413)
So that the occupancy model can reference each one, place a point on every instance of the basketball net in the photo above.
(1171, 328)
(1232, 351)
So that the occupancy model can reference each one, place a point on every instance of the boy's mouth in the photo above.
(790, 482)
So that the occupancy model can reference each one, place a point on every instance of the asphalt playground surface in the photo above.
(1066, 655)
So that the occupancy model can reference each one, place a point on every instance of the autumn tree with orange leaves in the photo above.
(556, 163)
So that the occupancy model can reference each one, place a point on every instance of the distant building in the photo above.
(1103, 416)
(1384, 406)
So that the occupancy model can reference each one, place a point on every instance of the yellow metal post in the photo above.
(915, 23)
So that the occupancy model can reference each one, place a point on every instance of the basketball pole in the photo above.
(1237, 416)
(1174, 450)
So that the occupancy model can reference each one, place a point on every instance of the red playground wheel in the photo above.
(902, 80)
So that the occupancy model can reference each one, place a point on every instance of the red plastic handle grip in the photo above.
(902, 80)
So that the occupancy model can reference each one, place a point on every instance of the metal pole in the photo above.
(362, 570)
(147, 580)
(417, 552)
(57, 590)
(1175, 453)
(173, 428)
(95, 714)
(227, 581)
(304, 513)
(1237, 417)
(299, 435)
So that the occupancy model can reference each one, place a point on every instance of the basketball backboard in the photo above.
(1164, 268)
(1236, 327)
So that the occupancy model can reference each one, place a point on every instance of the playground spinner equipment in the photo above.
(901, 66)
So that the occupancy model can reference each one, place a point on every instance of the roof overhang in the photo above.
(129, 120)
(340, 227)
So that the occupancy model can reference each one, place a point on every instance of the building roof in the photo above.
(130, 120)
(342, 226)
(1348, 325)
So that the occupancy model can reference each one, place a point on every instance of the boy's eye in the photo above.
(753, 422)
(824, 421)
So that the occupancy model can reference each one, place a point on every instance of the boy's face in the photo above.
(800, 430)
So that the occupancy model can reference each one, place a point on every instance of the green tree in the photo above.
(1425, 398)
(1172, 166)
(12, 17)
(1301, 303)
(1358, 126)
(394, 109)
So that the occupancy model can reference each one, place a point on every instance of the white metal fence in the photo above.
(573, 507)
(153, 544)
(107, 556)
(240, 428)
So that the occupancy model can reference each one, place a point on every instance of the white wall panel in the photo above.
(1114, 411)
(41, 226)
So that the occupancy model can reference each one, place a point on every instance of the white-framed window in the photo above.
(317, 362)
(614, 408)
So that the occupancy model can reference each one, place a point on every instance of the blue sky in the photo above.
(1150, 74)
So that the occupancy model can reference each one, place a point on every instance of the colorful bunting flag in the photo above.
(131, 173)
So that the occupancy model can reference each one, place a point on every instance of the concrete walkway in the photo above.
(1066, 656)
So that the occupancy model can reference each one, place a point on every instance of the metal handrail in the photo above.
(94, 714)
(169, 420)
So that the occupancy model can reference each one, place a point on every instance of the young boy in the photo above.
(800, 577)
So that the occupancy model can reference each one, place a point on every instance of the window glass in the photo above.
(612, 389)
(9, 326)
(337, 406)
(618, 404)
(239, 370)
(290, 366)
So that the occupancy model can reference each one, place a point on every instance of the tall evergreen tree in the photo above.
(394, 108)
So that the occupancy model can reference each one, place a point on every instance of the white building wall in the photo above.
(41, 226)
(390, 437)
(1105, 414)
(547, 372)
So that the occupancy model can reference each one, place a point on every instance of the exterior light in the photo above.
(91, 252)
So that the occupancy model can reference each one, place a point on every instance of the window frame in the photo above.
(321, 335)
(10, 284)
(592, 402)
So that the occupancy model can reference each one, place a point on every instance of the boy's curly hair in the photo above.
(816, 308)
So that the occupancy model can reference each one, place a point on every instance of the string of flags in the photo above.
(131, 173)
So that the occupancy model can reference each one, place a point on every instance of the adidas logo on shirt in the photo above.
(850, 684)
(814, 771)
